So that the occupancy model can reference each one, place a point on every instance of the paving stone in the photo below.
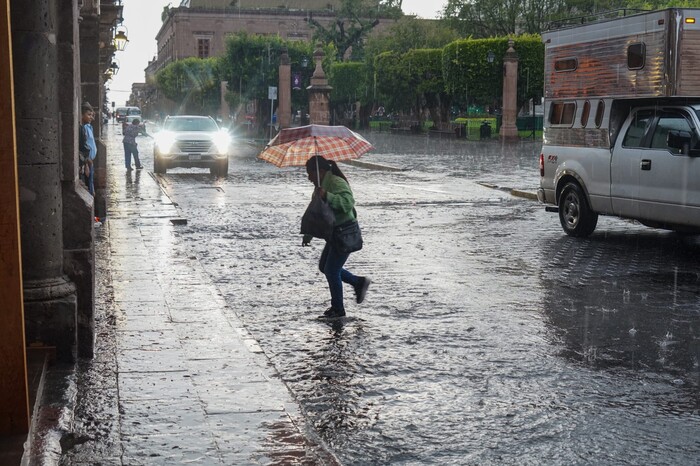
(151, 361)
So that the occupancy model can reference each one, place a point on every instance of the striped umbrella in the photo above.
(292, 147)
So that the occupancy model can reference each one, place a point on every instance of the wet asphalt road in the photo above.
(487, 337)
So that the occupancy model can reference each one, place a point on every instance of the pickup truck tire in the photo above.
(576, 217)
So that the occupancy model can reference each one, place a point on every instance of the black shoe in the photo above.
(361, 289)
(332, 313)
(140, 167)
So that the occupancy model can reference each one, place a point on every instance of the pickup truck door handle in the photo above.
(646, 164)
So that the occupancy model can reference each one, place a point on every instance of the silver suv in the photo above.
(191, 141)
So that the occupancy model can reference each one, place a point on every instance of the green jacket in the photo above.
(339, 197)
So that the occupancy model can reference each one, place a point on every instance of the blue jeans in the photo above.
(331, 264)
(91, 179)
(130, 149)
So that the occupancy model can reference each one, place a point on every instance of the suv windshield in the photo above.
(190, 124)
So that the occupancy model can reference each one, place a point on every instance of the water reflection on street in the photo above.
(488, 336)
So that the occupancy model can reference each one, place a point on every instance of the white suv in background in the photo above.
(191, 141)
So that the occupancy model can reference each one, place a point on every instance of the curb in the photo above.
(523, 194)
(512, 191)
(374, 166)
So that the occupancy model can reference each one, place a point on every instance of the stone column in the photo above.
(510, 93)
(319, 92)
(50, 301)
(78, 228)
(284, 110)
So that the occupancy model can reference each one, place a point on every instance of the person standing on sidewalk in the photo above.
(87, 146)
(333, 187)
(130, 146)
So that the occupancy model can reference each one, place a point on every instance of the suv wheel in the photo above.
(158, 164)
(576, 217)
(220, 168)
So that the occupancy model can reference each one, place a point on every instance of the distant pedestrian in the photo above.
(87, 147)
(333, 187)
(130, 146)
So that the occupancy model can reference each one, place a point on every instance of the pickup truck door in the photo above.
(669, 181)
(624, 164)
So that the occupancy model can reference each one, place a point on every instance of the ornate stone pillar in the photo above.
(319, 92)
(510, 93)
(50, 301)
(284, 110)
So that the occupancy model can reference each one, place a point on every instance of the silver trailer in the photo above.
(598, 77)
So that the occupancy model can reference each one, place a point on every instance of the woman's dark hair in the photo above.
(323, 164)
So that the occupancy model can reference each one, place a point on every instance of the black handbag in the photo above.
(347, 237)
(318, 219)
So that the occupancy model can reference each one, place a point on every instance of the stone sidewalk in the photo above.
(175, 379)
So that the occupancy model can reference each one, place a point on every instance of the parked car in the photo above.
(191, 141)
(122, 112)
(129, 120)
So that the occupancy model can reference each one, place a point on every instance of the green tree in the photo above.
(409, 33)
(193, 83)
(411, 83)
(425, 77)
(494, 18)
(471, 79)
(350, 87)
(353, 22)
(391, 83)
(251, 64)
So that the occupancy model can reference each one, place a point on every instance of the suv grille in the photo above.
(195, 147)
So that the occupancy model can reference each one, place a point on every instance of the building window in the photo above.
(203, 48)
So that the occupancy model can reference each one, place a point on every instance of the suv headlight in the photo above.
(222, 141)
(165, 141)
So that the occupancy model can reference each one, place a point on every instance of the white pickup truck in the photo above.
(622, 122)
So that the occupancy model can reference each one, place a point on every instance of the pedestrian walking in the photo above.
(87, 148)
(333, 187)
(130, 146)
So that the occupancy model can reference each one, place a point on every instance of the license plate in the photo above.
(195, 157)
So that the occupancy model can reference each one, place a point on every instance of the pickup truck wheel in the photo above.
(576, 217)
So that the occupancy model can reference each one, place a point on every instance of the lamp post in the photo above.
(490, 57)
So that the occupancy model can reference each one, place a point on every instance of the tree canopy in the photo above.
(495, 18)
(353, 22)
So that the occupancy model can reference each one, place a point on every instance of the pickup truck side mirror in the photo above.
(681, 140)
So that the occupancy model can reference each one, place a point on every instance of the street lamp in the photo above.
(113, 67)
(120, 39)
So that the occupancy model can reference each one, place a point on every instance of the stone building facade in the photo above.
(198, 28)
(59, 52)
